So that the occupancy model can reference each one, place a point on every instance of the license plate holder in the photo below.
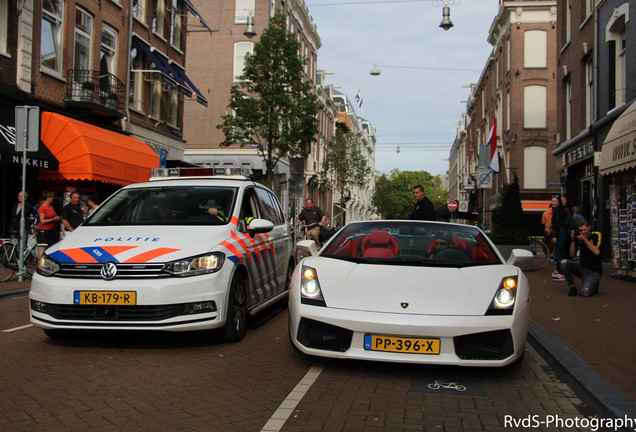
(116, 298)
(410, 345)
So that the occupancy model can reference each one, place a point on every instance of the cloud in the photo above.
(406, 104)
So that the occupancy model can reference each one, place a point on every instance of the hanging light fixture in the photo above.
(375, 71)
(249, 30)
(446, 22)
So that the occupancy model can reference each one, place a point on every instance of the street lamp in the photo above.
(249, 29)
(446, 22)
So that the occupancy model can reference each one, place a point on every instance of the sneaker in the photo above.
(573, 292)
(555, 274)
(558, 277)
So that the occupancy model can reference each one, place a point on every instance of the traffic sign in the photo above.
(452, 205)
(463, 207)
(27, 128)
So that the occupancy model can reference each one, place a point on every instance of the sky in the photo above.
(422, 89)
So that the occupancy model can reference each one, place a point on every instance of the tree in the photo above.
(344, 165)
(394, 192)
(510, 227)
(274, 109)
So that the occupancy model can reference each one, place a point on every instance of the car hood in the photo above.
(408, 289)
(141, 244)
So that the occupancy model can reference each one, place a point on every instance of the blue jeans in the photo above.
(589, 279)
(559, 248)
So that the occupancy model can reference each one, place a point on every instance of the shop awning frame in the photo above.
(166, 75)
(181, 73)
(88, 152)
(190, 7)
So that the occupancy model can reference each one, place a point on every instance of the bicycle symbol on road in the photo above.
(446, 385)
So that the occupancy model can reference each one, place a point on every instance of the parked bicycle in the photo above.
(9, 257)
(540, 252)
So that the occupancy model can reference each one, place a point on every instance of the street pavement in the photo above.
(589, 341)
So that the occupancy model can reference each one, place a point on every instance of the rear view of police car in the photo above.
(176, 254)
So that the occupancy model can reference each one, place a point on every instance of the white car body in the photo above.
(168, 296)
(433, 301)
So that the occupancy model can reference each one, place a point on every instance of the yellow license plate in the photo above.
(401, 344)
(121, 298)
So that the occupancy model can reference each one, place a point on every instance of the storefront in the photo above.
(11, 166)
(618, 169)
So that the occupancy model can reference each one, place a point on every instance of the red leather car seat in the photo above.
(380, 244)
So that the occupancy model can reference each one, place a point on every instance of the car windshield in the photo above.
(166, 205)
(412, 243)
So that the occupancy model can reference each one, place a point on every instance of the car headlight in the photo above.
(195, 266)
(47, 266)
(503, 302)
(310, 292)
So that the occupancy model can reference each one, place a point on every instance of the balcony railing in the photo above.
(95, 90)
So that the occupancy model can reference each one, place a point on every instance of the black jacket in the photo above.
(423, 210)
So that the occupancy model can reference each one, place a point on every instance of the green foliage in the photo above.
(394, 192)
(510, 226)
(344, 164)
(273, 109)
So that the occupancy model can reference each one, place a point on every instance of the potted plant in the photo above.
(88, 89)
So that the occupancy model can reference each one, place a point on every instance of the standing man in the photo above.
(423, 209)
(314, 219)
(589, 267)
(16, 215)
(72, 215)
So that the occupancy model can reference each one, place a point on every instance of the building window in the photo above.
(51, 37)
(534, 168)
(589, 92)
(615, 34)
(508, 53)
(568, 109)
(589, 7)
(108, 54)
(508, 110)
(535, 49)
(83, 39)
(244, 8)
(176, 23)
(173, 114)
(534, 107)
(4, 28)
(139, 10)
(155, 100)
(135, 99)
(241, 49)
(159, 17)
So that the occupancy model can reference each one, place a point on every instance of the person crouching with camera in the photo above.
(589, 267)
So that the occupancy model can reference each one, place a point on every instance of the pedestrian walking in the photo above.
(423, 209)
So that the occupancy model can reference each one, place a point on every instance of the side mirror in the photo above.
(307, 246)
(521, 258)
(260, 226)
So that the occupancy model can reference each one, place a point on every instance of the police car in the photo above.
(176, 254)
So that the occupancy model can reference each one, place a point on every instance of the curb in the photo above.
(593, 389)
(14, 293)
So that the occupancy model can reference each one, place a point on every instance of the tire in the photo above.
(7, 269)
(541, 255)
(236, 322)
(31, 263)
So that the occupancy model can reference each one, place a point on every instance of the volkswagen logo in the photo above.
(108, 271)
(403, 304)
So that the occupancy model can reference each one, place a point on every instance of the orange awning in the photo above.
(88, 152)
(534, 205)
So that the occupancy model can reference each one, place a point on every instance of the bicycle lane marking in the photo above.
(16, 328)
(286, 408)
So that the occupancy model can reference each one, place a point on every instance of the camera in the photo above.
(577, 232)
